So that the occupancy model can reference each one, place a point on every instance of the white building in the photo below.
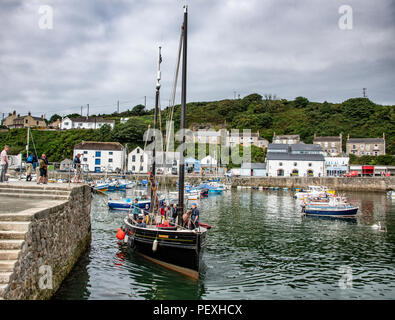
(295, 160)
(85, 123)
(140, 161)
(336, 166)
(253, 169)
(123, 120)
(101, 156)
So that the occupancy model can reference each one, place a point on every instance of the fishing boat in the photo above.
(168, 243)
(313, 191)
(334, 207)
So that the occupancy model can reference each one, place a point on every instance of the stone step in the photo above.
(11, 244)
(34, 185)
(34, 191)
(9, 254)
(14, 226)
(12, 235)
(41, 196)
(15, 217)
(5, 277)
(7, 265)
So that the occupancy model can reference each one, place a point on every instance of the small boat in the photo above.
(128, 204)
(334, 207)
(313, 191)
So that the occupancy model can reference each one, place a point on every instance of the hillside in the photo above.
(358, 117)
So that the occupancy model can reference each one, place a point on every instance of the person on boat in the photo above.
(162, 211)
(142, 224)
(29, 166)
(43, 166)
(194, 217)
(174, 212)
(186, 219)
(136, 209)
(146, 210)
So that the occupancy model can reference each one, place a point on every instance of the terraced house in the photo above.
(331, 145)
(15, 120)
(365, 146)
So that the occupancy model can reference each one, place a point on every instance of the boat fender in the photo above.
(155, 245)
(125, 240)
(120, 234)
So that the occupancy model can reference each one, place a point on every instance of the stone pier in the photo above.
(43, 231)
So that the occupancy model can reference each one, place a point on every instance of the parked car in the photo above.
(351, 174)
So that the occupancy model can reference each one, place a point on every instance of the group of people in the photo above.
(190, 219)
(31, 163)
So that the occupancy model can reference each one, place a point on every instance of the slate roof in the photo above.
(248, 165)
(365, 140)
(294, 157)
(329, 138)
(94, 145)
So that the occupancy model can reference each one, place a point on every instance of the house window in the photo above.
(354, 146)
(98, 154)
(110, 153)
(85, 152)
(138, 150)
(141, 158)
(141, 168)
(310, 164)
(133, 168)
(85, 159)
(110, 160)
(295, 164)
(133, 158)
(280, 164)
(97, 161)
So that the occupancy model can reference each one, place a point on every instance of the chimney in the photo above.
(14, 113)
(29, 113)
(348, 137)
(42, 116)
(383, 135)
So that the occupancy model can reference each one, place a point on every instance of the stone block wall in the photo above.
(56, 238)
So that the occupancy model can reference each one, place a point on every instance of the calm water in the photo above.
(259, 248)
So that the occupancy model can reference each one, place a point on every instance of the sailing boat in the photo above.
(169, 244)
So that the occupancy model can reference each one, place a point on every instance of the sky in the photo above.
(98, 52)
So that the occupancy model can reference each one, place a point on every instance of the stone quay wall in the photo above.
(56, 238)
(379, 184)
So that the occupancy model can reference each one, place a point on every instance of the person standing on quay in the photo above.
(29, 166)
(3, 164)
(77, 168)
(43, 167)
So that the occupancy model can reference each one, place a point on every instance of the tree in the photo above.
(301, 102)
(54, 118)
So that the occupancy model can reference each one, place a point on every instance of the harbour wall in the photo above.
(54, 236)
(379, 184)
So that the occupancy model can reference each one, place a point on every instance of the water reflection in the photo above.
(260, 247)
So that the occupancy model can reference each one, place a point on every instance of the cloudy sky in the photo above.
(101, 51)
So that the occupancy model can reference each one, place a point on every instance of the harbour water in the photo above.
(259, 247)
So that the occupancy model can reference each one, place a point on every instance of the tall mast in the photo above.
(152, 175)
(183, 112)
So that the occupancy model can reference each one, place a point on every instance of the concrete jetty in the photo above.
(43, 231)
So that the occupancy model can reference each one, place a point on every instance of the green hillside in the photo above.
(357, 117)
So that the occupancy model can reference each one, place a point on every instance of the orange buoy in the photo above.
(120, 234)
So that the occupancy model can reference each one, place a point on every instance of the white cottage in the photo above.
(85, 123)
(140, 161)
(295, 160)
(101, 156)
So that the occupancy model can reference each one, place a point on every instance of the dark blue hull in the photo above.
(332, 213)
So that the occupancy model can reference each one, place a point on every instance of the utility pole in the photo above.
(364, 92)
(87, 114)
(234, 94)
(145, 101)
(81, 111)
(118, 106)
